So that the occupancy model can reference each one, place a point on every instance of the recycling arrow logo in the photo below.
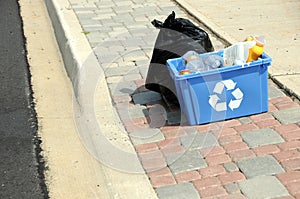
(229, 85)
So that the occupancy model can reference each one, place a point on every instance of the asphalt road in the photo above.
(21, 168)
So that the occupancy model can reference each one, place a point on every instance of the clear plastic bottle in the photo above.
(237, 54)
(214, 61)
(193, 62)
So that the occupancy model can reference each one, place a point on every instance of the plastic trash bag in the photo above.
(175, 38)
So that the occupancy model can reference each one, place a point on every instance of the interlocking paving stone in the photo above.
(263, 187)
(175, 118)
(232, 188)
(191, 131)
(189, 161)
(146, 97)
(86, 15)
(132, 77)
(258, 166)
(79, 9)
(122, 88)
(178, 191)
(145, 133)
(118, 71)
(274, 92)
(133, 43)
(132, 56)
(199, 141)
(146, 136)
(96, 37)
(288, 116)
(136, 111)
(245, 120)
(143, 71)
(230, 167)
(261, 137)
(89, 22)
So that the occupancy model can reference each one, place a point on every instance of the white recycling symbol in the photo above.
(235, 103)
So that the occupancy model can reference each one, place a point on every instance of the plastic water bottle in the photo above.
(193, 62)
(214, 61)
(237, 54)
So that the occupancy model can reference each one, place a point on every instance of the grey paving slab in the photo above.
(288, 116)
(146, 97)
(134, 42)
(199, 141)
(143, 71)
(174, 118)
(107, 43)
(79, 8)
(97, 28)
(104, 4)
(261, 137)
(231, 167)
(150, 40)
(118, 71)
(132, 77)
(121, 63)
(123, 3)
(108, 58)
(143, 62)
(89, 22)
(116, 49)
(125, 18)
(189, 161)
(136, 111)
(122, 88)
(122, 9)
(191, 131)
(103, 11)
(114, 79)
(275, 92)
(260, 166)
(95, 37)
(245, 120)
(146, 136)
(263, 187)
(178, 191)
(232, 188)
(86, 15)
(134, 55)
(150, 10)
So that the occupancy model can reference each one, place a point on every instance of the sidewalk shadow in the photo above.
(160, 111)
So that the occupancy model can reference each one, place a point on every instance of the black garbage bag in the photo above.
(175, 38)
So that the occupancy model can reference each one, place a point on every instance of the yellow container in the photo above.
(256, 51)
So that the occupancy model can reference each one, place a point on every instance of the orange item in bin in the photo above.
(185, 72)
(256, 51)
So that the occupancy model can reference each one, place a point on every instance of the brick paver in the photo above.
(187, 176)
(178, 191)
(249, 157)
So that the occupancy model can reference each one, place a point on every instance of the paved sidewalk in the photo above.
(250, 157)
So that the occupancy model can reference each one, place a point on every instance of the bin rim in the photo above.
(264, 61)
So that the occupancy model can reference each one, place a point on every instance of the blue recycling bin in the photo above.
(223, 93)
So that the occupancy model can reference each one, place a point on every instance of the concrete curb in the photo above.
(75, 50)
